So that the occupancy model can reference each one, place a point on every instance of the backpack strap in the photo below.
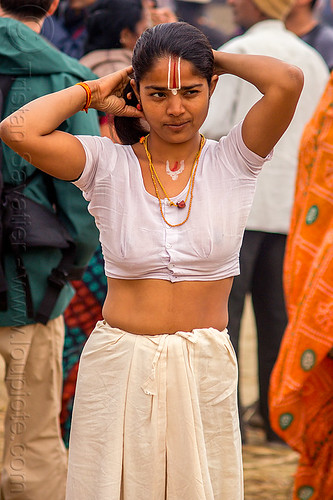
(60, 275)
(38, 233)
(6, 81)
(56, 281)
(47, 230)
(7, 243)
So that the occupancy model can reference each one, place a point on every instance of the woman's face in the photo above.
(128, 38)
(175, 116)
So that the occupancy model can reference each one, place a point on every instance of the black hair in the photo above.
(25, 9)
(107, 19)
(177, 39)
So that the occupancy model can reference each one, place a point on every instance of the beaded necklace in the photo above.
(154, 177)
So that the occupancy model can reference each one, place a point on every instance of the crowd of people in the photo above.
(204, 161)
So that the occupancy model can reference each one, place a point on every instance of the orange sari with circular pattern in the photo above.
(301, 391)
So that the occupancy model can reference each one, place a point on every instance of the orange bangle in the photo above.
(89, 97)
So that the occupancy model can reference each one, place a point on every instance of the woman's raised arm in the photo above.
(281, 85)
(31, 130)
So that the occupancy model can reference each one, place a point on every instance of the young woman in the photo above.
(155, 414)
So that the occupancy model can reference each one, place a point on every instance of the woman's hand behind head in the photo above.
(218, 63)
(108, 91)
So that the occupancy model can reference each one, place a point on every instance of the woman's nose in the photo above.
(175, 105)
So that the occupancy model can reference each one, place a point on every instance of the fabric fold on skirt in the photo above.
(155, 418)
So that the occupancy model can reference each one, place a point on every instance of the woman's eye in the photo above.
(158, 94)
(191, 92)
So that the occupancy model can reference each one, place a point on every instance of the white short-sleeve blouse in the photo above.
(138, 244)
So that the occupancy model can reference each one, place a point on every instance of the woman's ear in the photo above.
(127, 39)
(135, 88)
(213, 84)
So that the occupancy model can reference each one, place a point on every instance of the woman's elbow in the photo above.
(4, 132)
(12, 131)
(294, 82)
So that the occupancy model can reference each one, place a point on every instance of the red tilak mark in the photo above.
(175, 167)
(174, 84)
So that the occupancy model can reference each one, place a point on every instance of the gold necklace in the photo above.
(154, 177)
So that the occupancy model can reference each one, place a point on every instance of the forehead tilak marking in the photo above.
(174, 74)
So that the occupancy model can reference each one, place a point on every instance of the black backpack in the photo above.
(26, 224)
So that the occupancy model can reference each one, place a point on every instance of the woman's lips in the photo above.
(176, 126)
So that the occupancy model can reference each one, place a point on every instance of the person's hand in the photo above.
(107, 94)
(218, 63)
(162, 15)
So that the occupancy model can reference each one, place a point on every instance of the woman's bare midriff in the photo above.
(154, 307)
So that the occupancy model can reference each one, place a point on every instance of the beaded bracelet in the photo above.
(89, 97)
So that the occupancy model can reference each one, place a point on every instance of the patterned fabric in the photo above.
(81, 317)
(301, 397)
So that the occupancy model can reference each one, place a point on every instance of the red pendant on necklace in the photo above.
(181, 204)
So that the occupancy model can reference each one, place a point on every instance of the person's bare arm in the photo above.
(281, 85)
(31, 130)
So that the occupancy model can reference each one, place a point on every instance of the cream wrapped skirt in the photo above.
(155, 418)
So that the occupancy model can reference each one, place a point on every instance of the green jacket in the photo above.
(41, 69)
